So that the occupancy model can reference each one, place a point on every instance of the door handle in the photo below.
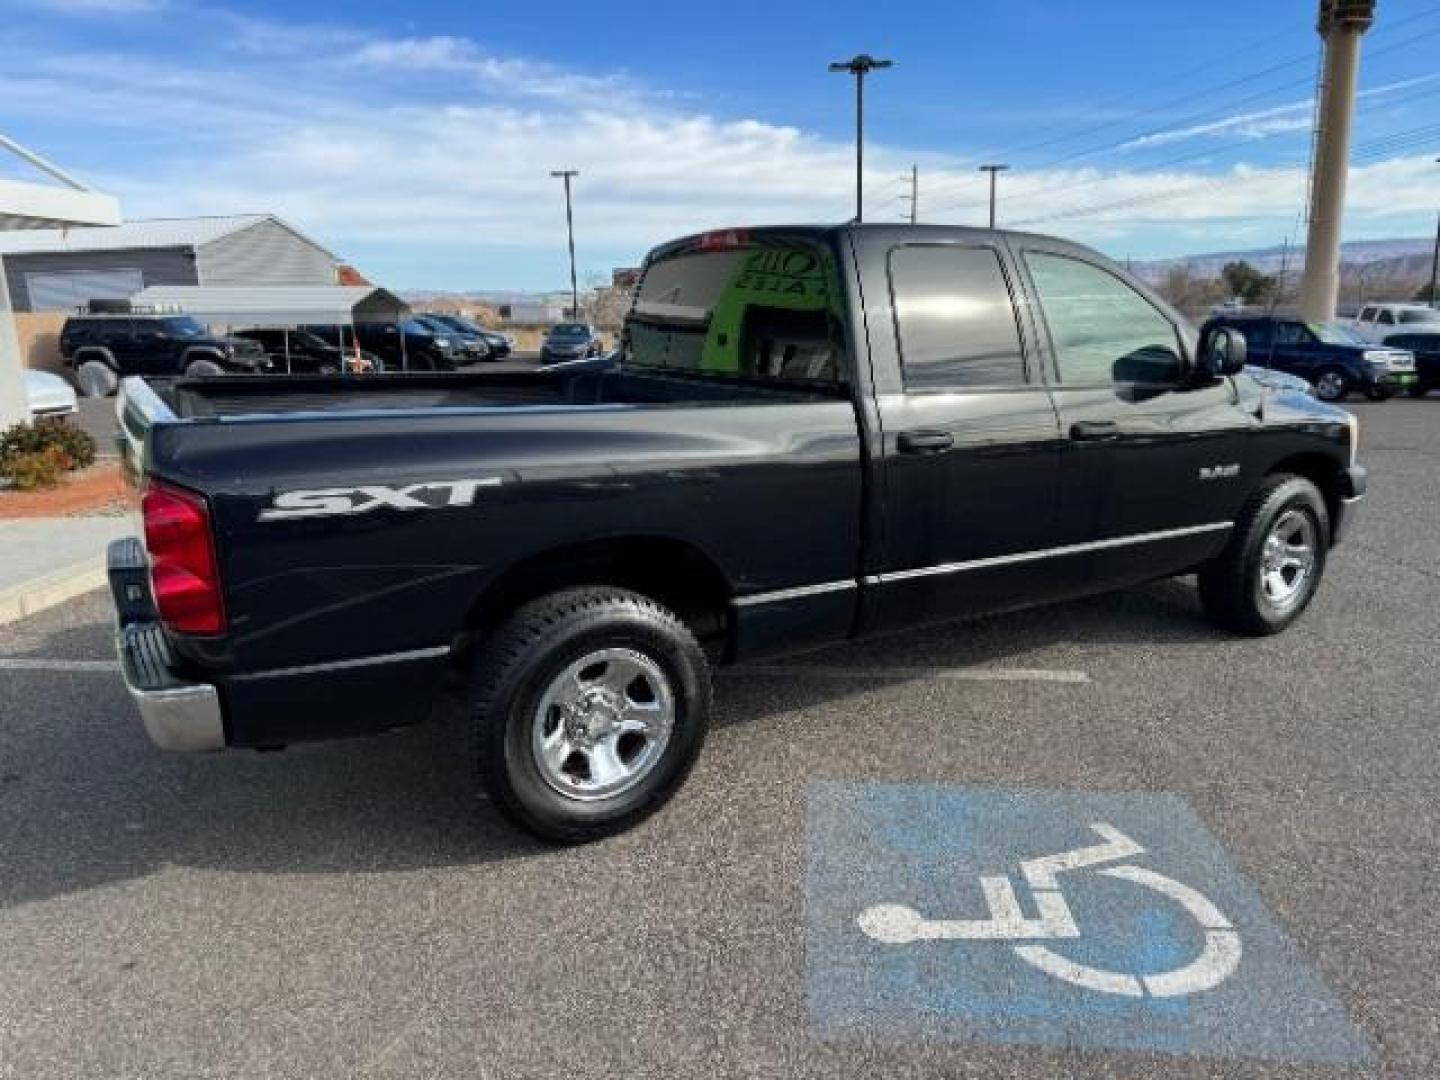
(1093, 430)
(925, 442)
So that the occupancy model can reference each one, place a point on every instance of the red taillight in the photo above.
(183, 574)
(725, 240)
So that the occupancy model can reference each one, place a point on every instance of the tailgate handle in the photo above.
(925, 442)
(1082, 430)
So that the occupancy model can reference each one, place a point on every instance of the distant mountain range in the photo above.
(1387, 258)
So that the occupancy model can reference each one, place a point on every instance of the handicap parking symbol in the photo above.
(1107, 921)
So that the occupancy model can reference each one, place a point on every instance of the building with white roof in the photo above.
(63, 269)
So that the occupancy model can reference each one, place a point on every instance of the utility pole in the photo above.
(860, 66)
(993, 170)
(1435, 263)
(1342, 24)
(914, 197)
(567, 175)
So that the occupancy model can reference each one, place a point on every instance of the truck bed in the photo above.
(236, 396)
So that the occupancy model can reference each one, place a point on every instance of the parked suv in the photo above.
(103, 348)
(500, 345)
(410, 346)
(570, 341)
(1377, 322)
(471, 345)
(1426, 350)
(1332, 357)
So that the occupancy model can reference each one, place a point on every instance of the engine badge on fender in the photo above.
(339, 502)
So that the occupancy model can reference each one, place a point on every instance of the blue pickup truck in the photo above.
(1333, 358)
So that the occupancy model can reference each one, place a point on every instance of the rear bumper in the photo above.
(177, 714)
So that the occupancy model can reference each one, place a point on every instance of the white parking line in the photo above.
(959, 674)
(58, 665)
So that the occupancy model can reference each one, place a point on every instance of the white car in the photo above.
(1376, 322)
(49, 395)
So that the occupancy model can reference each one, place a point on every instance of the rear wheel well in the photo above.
(670, 572)
(1324, 472)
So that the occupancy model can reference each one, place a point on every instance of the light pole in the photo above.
(567, 175)
(993, 170)
(860, 66)
(1435, 261)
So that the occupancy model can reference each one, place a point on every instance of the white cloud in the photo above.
(438, 144)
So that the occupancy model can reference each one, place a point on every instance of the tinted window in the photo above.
(762, 310)
(1336, 334)
(1368, 315)
(1386, 319)
(1102, 329)
(1257, 332)
(1290, 333)
(571, 330)
(954, 318)
(1417, 315)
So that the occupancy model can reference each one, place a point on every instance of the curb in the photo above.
(22, 601)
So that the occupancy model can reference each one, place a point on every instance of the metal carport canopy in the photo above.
(277, 305)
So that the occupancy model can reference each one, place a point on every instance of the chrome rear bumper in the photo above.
(178, 715)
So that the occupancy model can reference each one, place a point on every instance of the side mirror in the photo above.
(1222, 352)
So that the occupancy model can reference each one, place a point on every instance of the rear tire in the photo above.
(1271, 568)
(203, 369)
(95, 378)
(1379, 393)
(588, 709)
(1332, 384)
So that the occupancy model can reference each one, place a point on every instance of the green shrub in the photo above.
(39, 469)
(74, 448)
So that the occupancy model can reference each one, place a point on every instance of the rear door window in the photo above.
(954, 318)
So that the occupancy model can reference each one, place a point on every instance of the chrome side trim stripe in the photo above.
(797, 593)
(1048, 553)
(342, 665)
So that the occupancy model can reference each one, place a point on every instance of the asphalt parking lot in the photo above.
(348, 910)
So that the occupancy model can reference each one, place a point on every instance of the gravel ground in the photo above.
(348, 909)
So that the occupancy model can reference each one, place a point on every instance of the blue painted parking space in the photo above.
(1105, 921)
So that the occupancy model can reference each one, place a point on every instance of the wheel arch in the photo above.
(671, 571)
(1325, 472)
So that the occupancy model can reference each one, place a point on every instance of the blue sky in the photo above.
(416, 141)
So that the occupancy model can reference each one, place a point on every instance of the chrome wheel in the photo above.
(1287, 561)
(1330, 386)
(602, 724)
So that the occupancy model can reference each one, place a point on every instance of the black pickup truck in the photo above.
(806, 435)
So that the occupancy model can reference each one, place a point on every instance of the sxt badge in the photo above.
(337, 502)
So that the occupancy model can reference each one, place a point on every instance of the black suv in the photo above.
(103, 348)
(303, 353)
(1333, 358)
(410, 346)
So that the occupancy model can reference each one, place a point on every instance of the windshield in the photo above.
(1420, 315)
(1336, 334)
(459, 322)
(767, 309)
(570, 330)
(416, 328)
(183, 327)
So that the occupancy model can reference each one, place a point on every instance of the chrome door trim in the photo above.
(800, 592)
(1047, 553)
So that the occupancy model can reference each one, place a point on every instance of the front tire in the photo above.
(589, 708)
(1271, 568)
(1332, 384)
